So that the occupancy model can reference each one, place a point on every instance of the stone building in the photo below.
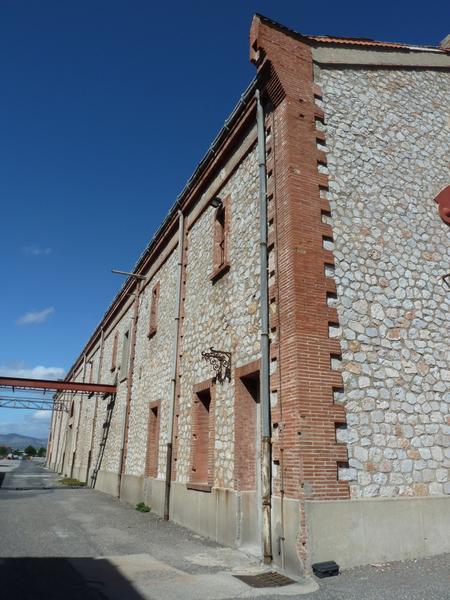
(291, 395)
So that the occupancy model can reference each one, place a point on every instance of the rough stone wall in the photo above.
(387, 136)
(87, 415)
(58, 429)
(224, 314)
(152, 368)
(111, 459)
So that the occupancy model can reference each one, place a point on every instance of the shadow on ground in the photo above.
(56, 578)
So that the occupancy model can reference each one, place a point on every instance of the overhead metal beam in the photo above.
(32, 404)
(49, 384)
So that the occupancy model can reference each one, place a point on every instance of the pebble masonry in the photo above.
(357, 147)
(390, 248)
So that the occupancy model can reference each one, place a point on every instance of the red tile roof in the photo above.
(368, 42)
(351, 41)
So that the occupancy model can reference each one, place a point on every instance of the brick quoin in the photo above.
(304, 349)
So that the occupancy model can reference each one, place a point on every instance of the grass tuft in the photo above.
(142, 507)
(71, 482)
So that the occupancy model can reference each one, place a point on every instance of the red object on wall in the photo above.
(153, 439)
(443, 200)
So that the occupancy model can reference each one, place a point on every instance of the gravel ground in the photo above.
(78, 543)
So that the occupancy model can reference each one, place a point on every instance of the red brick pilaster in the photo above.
(302, 350)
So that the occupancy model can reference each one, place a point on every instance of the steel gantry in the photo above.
(45, 392)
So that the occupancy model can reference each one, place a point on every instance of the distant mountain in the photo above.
(20, 442)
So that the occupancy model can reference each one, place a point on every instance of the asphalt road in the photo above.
(26, 474)
(80, 544)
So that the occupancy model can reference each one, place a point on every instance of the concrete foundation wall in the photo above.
(132, 489)
(81, 474)
(214, 514)
(291, 518)
(107, 483)
(154, 494)
(249, 529)
(360, 532)
(229, 517)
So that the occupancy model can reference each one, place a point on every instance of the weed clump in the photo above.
(70, 481)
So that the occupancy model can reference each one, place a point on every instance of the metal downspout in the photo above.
(266, 449)
(170, 427)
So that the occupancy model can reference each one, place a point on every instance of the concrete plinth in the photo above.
(361, 532)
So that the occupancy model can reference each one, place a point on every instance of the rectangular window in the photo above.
(153, 325)
(91, 371)
(114, 351)
(246, 427)
(221, 239)
(202, 449)
(124, 357)
(153, 440)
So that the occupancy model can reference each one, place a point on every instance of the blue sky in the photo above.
(106, 108)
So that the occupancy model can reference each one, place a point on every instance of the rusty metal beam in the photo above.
(49, 384)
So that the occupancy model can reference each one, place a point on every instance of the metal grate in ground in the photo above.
(263, 580)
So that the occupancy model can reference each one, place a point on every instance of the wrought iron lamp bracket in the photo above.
(220, 361)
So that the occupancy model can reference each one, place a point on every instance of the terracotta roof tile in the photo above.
(368, 42)
(351, 41)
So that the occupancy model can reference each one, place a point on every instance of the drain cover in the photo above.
(263, 580)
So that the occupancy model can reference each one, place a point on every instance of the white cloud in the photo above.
(41, 416)
(39, 372)
(34, 250)
(33, 317)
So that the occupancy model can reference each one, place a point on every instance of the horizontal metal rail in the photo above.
(20, 383)
(33, 404)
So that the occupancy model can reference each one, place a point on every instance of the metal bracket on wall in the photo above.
(446, 279)
(220, 361)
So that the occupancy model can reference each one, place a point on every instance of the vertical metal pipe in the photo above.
(177, 322)
(266, 448)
